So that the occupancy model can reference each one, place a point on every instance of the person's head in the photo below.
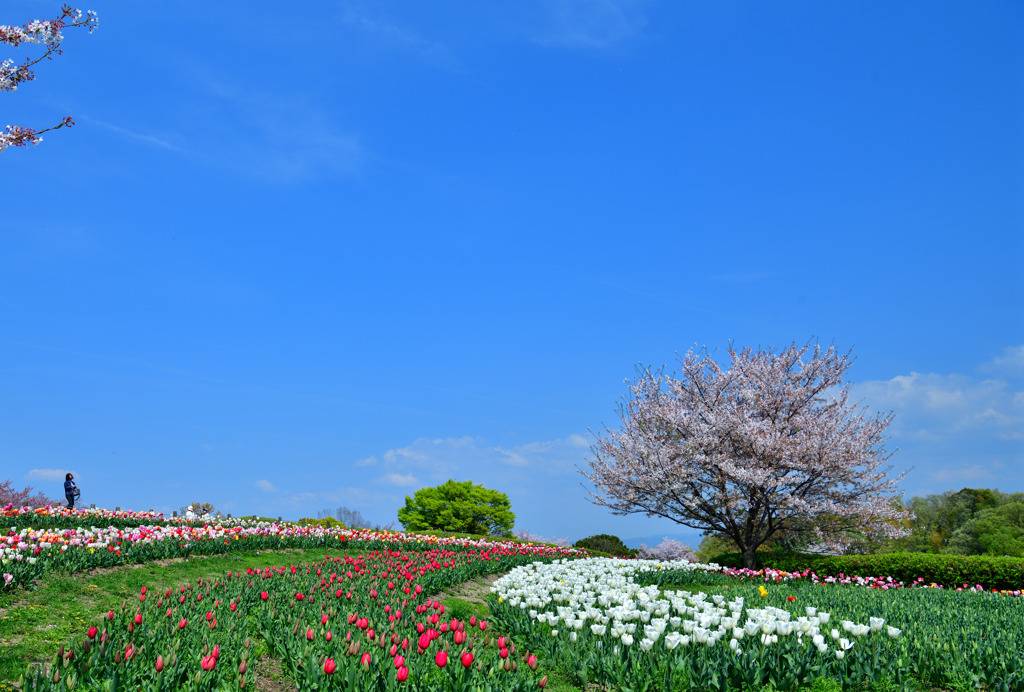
(190, 508)
(69, 477)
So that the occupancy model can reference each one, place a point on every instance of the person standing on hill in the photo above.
(69, 490)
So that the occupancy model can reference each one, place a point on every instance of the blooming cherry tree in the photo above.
(47, 33)
(749, 450)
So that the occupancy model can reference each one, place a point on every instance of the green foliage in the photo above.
(324, 522)
(606, 543)
(826, 685)
(998, 531)
(960, 523)
(460, 507)
(947, 570)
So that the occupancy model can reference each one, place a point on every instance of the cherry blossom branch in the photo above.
(48, 33)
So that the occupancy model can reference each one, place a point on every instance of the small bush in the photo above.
(323, 522)
(606, 543)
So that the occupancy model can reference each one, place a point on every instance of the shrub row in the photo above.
(951, 571)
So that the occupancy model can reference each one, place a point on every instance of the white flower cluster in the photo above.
(601, 594)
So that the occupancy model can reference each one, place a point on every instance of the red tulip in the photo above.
(323, 619)
(441, 659)
(182, 624)
(310, 634)
(399, 661)
(403, 674)
(92, 632)
(242, 666)
(483, 625)
(467, 659)
(532, 662)
(264, 595)
(159, 663)
(424, 641)
(503, 653)
(366, 659)
(328, 636)
(543, 681)
(138, 618)
(329, 666)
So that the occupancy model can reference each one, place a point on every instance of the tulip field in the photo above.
(598, 620)
(366, 615)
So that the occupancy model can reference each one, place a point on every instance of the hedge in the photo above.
(950, 571)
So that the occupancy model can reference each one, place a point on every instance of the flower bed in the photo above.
(353, 623)
(30, 553)
(596, 618)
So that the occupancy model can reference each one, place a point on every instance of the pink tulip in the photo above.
(441, 659)
(329, 666)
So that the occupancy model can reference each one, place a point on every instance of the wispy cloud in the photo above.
(595, 24)
(471, 458)
(399, 479)
(368, 21)
(268, 135)
(266, 486)
(974, 473)
(46, 474)
(1008, 363)
(131, 134)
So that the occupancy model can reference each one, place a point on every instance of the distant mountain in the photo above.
(691, 539)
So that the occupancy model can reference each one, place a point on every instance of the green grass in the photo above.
(34, 624)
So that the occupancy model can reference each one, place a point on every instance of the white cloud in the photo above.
(933, 405)
(575, 440)
(368, 461)
(1010, 362)
(401, 480)
(266, 486)
(434, 461)
(47, 474)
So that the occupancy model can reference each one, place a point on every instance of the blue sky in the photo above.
(292, 259)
